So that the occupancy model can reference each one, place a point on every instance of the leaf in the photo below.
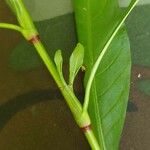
(76, 61)
(59, 62)
(96, 22)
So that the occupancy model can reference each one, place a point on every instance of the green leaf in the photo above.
(97, 21)
(76, 61)
(59, 63)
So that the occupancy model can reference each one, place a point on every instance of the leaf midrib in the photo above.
(90, 49)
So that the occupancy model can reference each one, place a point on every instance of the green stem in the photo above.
(28, 30)
(11, 26)
(69, 96)
(92, 140)
(48, 62)
(72, 101)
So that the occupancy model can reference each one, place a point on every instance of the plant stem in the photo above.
(72, 101)
(92, 140)
(48, 62)
(29, 31)
(11, 26)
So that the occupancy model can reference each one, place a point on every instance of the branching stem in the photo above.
(11, 26)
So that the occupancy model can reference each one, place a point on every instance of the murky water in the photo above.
(33, 115)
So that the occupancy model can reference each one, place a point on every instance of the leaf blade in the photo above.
(115, 64)
(59, 63)
(76, 61)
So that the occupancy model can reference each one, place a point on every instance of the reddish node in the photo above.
(86, 128)
(34, 39)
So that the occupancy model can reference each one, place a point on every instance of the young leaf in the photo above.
(59, 63)
(76, 61)
(97, 21)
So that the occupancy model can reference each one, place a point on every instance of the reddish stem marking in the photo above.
(34, 39)
(86, 128)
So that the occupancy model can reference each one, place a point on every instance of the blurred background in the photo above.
(33, 115)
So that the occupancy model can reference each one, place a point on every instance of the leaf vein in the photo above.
(114, 80)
